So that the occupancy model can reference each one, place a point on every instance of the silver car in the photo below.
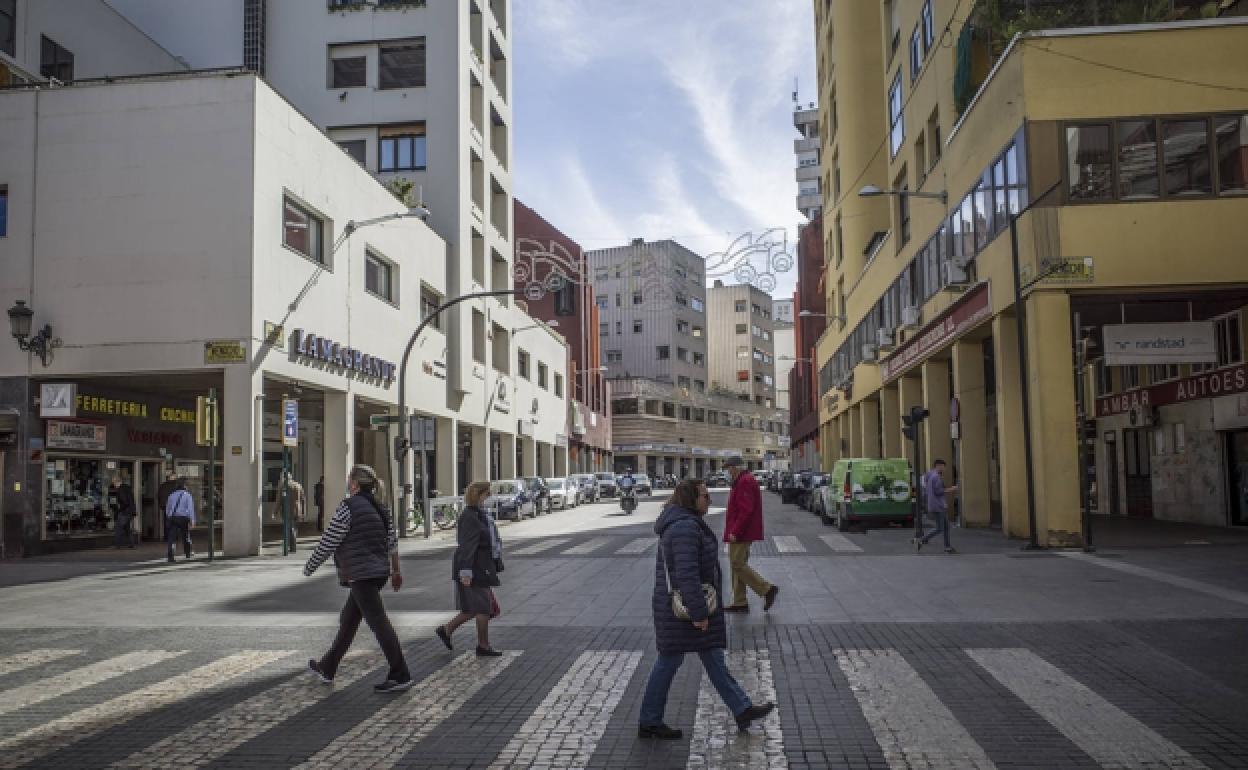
(563, 492)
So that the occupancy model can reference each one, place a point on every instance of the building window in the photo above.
(565, 298)
(615, 356)
(756, 330)
(929, 26)
(637, 326)
(697, 331)
(682, 382)
(619, 327)
(682, 354)
(743, 328)
(429, 304)
(681, 298)
(700, 386)
(739, 306)
(983, 210)
(1231, 132)
(543, 375)
(1137, 159)
(1130, 377)
(896, 121)
(903, 209)
(558, 384)
(916, 54)
(662, 352)
(55, 61)
(601, 301)
(696, 304)
(357, 149)
(617, 299)
(402, 151)
(1104, 378)
(302, 231)
(1227, 332)
(602, 273)
(604, 329)
(348, 71)
(4, 210)
(637, 298)
(698, 358)
(743, 351)
(1163, 372)
(522, 363)
(758, 354)
(402, 65)
(1185, 145)
(8, 27)
(379, 277)
(682, 326)
(743, 375)
(478, 336)
(1089, 165)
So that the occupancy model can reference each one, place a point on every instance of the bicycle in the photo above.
(445, 515)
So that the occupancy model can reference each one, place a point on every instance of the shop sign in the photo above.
(290, 422)
(225, 352)
(161, 438)
(1189, 342)
(275, 335)
(310, 345)
(84, 436)
(58, 399)
(1220, 382)
(967, 313)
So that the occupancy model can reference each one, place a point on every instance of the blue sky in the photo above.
(649, 118)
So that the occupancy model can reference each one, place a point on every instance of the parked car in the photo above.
(563, 492)
(817, 482)
(778, 480)
(607, 486)
(718, 479)
(869, 491)
(797, 486)
(510, 499)
(762, 476)
(540, 493)
(587, 487)
(643, 485)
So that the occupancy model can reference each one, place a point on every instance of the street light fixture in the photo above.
(21, 319)
(551, 324)
(872, 191)
(811, 314)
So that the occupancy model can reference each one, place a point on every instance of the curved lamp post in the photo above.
(21, 319)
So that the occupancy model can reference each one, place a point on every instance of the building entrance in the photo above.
(1111, 478)
(1139, 473)
(151, 517)
(1237, 475)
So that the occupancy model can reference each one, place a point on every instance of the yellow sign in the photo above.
(100, 405)
(275, 335)
(225, 352)
(207, 423)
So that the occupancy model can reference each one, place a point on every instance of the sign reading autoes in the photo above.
(1220, 382)
(320, 348)
(974, 307)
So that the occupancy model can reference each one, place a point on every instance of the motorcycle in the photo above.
(628, 501)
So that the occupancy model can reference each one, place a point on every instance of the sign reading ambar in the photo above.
(1220, 382)
(1189, 342)
(323, 349)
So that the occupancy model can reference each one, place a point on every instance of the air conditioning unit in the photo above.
(884, 340)
(1140, 416)
(956, 276)
(910, 317)
(868, 352)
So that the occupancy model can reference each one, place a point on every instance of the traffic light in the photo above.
(910, 422)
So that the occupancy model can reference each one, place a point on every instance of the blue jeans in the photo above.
(665, 668)
(942, 526)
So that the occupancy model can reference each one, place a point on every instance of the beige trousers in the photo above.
(743, 574)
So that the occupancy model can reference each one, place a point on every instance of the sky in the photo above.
(644, 119)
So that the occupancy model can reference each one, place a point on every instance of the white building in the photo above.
(783, 342)
(179, 234)
(809, 164)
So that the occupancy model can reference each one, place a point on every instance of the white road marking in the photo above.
(911, 725)
(383, 738)
(1105, 732)
(212, 738)
(788, 544)
(841, 544)
(640, 545)
(544, 545)
(79, 678)
(573, 717)
(24, 660)
(588, 546)
(1229, 594)
(716, 742)
(30, 745)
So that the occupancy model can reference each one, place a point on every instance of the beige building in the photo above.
(741, 344)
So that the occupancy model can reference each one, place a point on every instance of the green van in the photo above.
(865, 490)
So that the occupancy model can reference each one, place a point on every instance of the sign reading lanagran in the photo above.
(1219, 382)
(969, 311)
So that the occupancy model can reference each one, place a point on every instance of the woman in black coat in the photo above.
(473, 568)
(688, 555)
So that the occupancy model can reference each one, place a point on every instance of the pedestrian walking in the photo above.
(318, 499)
(179, 516)
(936, 505)
(121, 500)
(362, 540)
(743, 525)
(474, 568)
(165, 489)
(298, 505)
(687, 564)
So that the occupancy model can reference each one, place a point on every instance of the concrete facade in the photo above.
(741, 343)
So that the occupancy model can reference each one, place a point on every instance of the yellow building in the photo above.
(1120, 155)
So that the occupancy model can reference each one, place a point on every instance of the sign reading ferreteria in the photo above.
(1188, 342)
(963, 315)
(1219, 382)
(310, 345)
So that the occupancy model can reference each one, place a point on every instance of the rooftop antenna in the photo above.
(795, 91)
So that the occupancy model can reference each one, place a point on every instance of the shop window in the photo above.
(402, 65)
(662, 352)
(1089, 166)
(379, 278)
(896, 121)
(356, 148)
(1231, 132)
(558, 384)
(402, 149)
(302, 231)
(1228, 333)
(1137, 159)
(347, 71)
(543, 376)
(79, 497)
(55, 61)
(522, 364)
(1185, 147)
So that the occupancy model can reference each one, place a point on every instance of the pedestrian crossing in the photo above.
(586, 693)
(836, 544)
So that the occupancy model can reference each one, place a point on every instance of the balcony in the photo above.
(809, 201)
(806, 173)
(803, 117)
(806, 145)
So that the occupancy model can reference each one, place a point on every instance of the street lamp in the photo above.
(791, 358)
(21, 319)
(872, 191)
(812, 314)
(552, 324)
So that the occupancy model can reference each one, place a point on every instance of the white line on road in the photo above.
(37, 742)
(212, 738)
(574, 715)
(1228, 594)
(911, 725)
(716, 743)
(1108, 734)
(588, 546)
(841, 544)
(544, 545)
(640, 545)
(79, 678)
(384, 737)
(788, 544)
(24, 660)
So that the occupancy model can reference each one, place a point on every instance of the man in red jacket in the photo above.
(743, 525)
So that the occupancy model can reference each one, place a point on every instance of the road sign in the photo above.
(378, 420)
(290, 422)
(424, 434)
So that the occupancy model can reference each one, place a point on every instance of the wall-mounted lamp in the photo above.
(21, 319)
(872, 191)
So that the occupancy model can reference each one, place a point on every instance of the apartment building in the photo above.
(782, 310)
(741, 343)
(807, 148)
(811, 320)
(977, 174)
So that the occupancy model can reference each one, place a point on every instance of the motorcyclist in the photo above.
(626, 483)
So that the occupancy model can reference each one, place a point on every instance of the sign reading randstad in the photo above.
(1189, 342)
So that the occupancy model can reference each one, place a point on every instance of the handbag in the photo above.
(678, 603)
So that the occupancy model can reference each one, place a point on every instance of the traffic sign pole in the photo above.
(290, 437)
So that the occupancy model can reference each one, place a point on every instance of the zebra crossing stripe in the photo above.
(574, 715)
(381, 740)
(1105, 732)
(788, 544)
(24, 660)
(30, 745)
(80, 678)
(588, 546)
(544, 545)
(716, 743)
(841, 544)
(220, 734)
(640, 545)
(912, 726)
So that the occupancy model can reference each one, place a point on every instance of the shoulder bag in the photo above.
(678, 603)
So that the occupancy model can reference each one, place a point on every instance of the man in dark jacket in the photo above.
(743, 525)
(687, 559)
(121, 498)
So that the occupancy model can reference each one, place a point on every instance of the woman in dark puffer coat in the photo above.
(688, 553)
